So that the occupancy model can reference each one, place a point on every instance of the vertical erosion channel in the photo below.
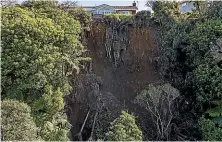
(122, 66)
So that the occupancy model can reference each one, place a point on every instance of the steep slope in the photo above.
(122, 75)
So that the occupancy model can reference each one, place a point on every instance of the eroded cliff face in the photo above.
(125, 69)
(123, 64)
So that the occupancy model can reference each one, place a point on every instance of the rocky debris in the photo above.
(87, 95)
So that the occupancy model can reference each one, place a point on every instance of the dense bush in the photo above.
(118, 17)
(16, 122)
(41, 49)
(200, 38)
(81, 15)
(187, 43)
(36, 52)
(57, 129)
(209, 80)
(124, 128)
(209, 131)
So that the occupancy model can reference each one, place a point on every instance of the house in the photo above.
(107, 9)
(187, 6)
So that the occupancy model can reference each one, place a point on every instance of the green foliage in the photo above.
(41, 49)
(215, 112)
(209, 131)
(39, 4)
(118, 17)
(208, 74)
(186, 60)
(218, 120)
(214, 10)
(38, 51)
(17, 123)
(209, 80)
(155, 95)
(175, 28)
(57, 129)
(157, 100)
(165, 12)
(51, 101)
(200, 39)
(124, 128)
(81, 15)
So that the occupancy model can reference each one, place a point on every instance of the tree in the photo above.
(57, 129)
(158, 101)
(215, 10)
(81, 15)
(8, 3)
(209, 80)
(65, 5)
(165, 12)
(17, 123)
(200, 38)
(149, 3)
(39, 4)
(43, 50)
(209, 131)
(124, 128)
(51, 101)
(187, 43)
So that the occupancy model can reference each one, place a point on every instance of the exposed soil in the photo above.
(131, 76)
(125, 81)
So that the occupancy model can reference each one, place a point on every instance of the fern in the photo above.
(215, 112)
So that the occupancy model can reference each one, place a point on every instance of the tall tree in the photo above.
(124, 128)
(159, 101)
(41, 48)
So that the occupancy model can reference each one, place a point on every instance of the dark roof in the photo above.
(187, 2)
(125, 7)
(116, 7)
(87, 6)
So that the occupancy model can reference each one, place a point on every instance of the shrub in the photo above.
(124, 128)
(17, 123)
(209, 131)
(119, 17)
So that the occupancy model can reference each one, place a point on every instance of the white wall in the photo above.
(187, 7)
(103, 10)
(125, 12)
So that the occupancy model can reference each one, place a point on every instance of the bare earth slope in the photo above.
(134, 73)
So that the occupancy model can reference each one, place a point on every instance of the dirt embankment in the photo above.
(133, 74)
(137, 70)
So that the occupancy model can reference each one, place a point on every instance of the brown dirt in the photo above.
(128, 79)
(125, 81)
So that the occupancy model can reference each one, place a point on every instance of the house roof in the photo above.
(125, 7)
(186, 2)
(87, 6)
(104, 6)
(115, 7)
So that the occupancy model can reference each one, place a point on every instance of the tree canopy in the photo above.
(41, 49)
(124, 128)
(17, 122)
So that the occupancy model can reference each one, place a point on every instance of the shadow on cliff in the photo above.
(123, 80)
